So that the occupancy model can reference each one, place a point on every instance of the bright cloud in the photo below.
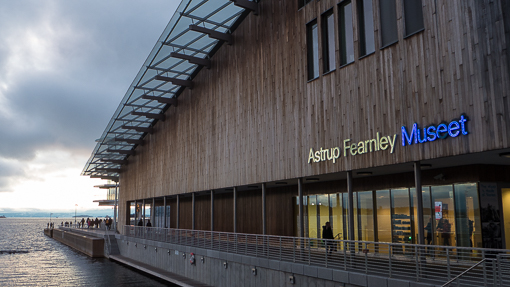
(64, 67)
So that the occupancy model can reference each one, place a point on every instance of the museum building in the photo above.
(275, 117)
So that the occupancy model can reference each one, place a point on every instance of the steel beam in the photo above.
(248, 5)
(108, 169)
(149, 115)
(175, 81)
(194, 60)
(130, 141)
(121, 151)
(118, 161)
(172, 101)
(138, 129)
(213, 34)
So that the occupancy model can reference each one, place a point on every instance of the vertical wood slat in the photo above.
(253, 117)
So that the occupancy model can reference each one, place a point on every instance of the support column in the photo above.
(264, 226)
(115, 204)
(350, 195)
(193, 211)
(178, 207)
(212, 210)
(301, 214)
(143, 212)
(153, 213)
(419, 202)
(235, 209)
(164, 212)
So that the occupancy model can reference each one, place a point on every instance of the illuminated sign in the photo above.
(432, 132)
(454, 128)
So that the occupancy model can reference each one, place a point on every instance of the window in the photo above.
(312, 42)
(328, 41)
(413, 16)
(302, 3)
(388, 15)
(366, 27)
(346, 33)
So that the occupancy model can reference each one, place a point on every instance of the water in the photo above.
(29, 258)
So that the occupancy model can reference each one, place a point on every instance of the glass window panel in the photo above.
(444, 215)
(312, 217)
(505, 193)
(346, 33)
(401, 217)
(323, 207)
(132, 213)
(467, 213)
(346, 215)
(383, 215)
(337, 220)
(312, 49)
(388, 15)
(296, 215)
(413, 16)
(428, 216)
(328, 38)
(366, 27)
(366, 215)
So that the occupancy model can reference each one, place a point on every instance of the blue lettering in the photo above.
(431, 131)
(462, 122)
(453, 129)
(442, 129)
(409, 138)
(424, 136)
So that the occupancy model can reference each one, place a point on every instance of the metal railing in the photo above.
(422, 263)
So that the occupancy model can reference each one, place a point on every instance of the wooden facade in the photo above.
(253, 117)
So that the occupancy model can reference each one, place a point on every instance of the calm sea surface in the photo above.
(38, 260)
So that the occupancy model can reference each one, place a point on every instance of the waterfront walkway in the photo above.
(156, 272)
(140, 266)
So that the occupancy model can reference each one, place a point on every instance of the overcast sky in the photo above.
(64, 67)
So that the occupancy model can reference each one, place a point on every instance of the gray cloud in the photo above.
(64, 67)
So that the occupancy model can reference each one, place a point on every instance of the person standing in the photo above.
(327, 235)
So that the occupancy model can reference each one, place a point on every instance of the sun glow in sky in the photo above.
(64, 67)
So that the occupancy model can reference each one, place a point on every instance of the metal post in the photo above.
(164, 212)
(301, 214)
(193, 211)
(264, 231)
(350, 195)
(143, 212)
(115, 204)
(178, 207)
(153, 208)
(212, 211)
(419, 202)
(235, 209)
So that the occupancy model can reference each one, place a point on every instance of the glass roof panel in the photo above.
(219, 15)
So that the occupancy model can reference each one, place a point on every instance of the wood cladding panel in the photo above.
(224, 212)
(249, 212)
(253, 116)
(280, 210)
(203, 212)
(185, 213)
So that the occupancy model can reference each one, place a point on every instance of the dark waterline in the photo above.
(29, 258)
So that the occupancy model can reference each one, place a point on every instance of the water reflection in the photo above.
(29, 258)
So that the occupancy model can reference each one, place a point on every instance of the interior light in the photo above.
(505, 154)
(364, 173)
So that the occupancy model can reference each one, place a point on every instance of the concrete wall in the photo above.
(92, 246)
(176, 259)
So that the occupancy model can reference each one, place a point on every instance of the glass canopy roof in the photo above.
(181, 51)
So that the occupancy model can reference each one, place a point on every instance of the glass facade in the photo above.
(451, 215)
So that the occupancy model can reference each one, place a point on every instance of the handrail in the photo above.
(420, 263)
(466, 271)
